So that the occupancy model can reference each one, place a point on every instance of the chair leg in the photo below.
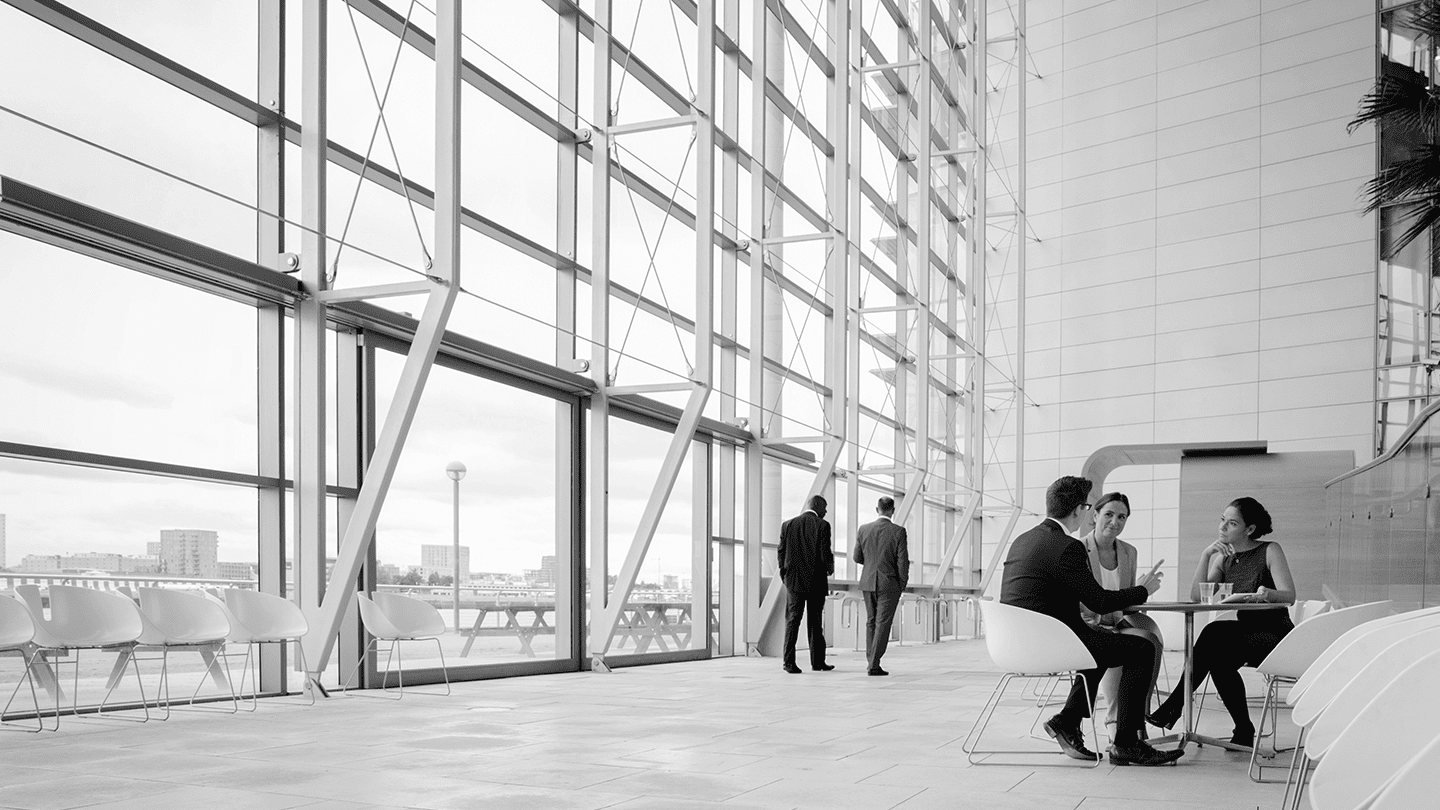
(133, 660)
(972, 740)
(39, 716)
(1295, 759)
(310, 685)
(443, 670)
(364, 656)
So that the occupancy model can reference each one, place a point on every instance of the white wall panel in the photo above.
(1302, 18)
(1209, 341)
(1127, 353)
(1203, 162)
(1290, 206)
(1208, 191)
(1110, 382)
(1110, 268)
(1220, 400)
(1221, 219)
(1340, 355)
(1208, 103)
(1101, 74)
(1343, 388)
(1102, 241)
(1205, 44)
(1206, 132)
(1320, 327)
(1355, 258)
(1111, 411)
(1107, 44)
(1207, 73)
(1239, 428)
(1321, 74)
(1304, 423)
(1321, 295)
(1117, 97)
(1105, 157)
(1311, 108)
(1090, 330)
(1332, 39)
(1351, 163)
(1109, 185)
(1201, 17)
(1207, 372)
(1107, 128)
(1102, 17)
(1216, 250)
(1207, 281)
(1107, 213)
(1318, 231)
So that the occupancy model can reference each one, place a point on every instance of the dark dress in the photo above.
(1225, 646)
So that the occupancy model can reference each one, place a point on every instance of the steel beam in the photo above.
(598, 461)
(952, 547)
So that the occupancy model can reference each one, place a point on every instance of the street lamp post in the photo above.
(456, 471)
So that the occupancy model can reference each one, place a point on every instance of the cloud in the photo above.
(93, 384)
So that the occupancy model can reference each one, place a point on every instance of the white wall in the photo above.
(1204, 272)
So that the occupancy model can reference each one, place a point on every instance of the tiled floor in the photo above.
(732, 733)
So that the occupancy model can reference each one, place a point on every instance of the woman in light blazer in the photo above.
(1112, 562)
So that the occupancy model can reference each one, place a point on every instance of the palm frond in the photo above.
(1425, 17)
(1415, 179)
(1422, 220)
(1400, 103)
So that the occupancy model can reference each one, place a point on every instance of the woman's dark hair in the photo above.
(1112, 496)
(1253, 514)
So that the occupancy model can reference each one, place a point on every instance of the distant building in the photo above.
(2, 542)
(189, 552)
(40, 563)
(670, 582)
(110, 563)
(437, 559)
(239, 571)
(387, 573)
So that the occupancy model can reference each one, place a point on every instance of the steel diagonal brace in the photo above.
(953, 547)
(771, 601)
(325, 626)
(649, 521)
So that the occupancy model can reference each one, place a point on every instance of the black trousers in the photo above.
(879, 615)
(1136, 658)
(812, 603)
(1222, 648)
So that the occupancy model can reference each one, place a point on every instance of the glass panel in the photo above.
(122, 363)
(513, 520)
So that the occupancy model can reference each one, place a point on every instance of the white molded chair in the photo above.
(1379, 669)
(17, 635)
(262, 618)
(1294, 654)
(1414, 785)
(1301, 612)
(1026, 644)
(1335, 650)
(1383, 737)
(85, 619)
(395, 618)
(178, 620)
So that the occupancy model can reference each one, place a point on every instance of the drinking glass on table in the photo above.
(1208, 591)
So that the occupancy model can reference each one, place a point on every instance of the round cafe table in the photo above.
(1187, 732)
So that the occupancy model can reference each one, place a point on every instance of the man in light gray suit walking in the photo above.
(883, 548)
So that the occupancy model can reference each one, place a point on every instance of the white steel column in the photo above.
(976, 293)
(567, 479)
(598, 461)
(756, 599)
(308, 550)
(727, 459)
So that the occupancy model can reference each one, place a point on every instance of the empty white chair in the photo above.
(1379, 671)
(395, 618)
(1296, 653)
(1025, 644)
(179, 620)
(1302, 611)
(1335, 650)
(17, 635)
(262, 618)
(1414, 785)
(85, 619)
(1385, 734)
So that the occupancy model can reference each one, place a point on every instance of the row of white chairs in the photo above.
(163, 621)
(1369, 721)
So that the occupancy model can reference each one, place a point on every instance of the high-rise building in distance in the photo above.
(188, 552)
(438, 559)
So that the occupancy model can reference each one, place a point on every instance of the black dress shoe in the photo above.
(1243, 736)
(823, 668)
(792, 669)
(1141, 753)
(1072, 742)
(876, 671)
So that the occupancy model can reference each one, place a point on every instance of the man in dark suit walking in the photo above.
(883, 548)
(1048, 571)
(806, 563)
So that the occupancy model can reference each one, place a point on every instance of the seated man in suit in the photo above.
(1048, 571)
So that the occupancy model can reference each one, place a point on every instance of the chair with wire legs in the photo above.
(1026, 644)
(84, 619)
(17, 635)
(395, 618)
(178, 620)
(261, 618)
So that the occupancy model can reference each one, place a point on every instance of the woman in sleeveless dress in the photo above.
(1259, 573)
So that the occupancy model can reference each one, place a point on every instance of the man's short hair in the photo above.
(886, 505)
(816, 502)
(1068, 492)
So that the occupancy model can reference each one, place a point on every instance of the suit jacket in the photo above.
(1048, 571)
(882, 547)
(1125, 568)
(805, 554)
